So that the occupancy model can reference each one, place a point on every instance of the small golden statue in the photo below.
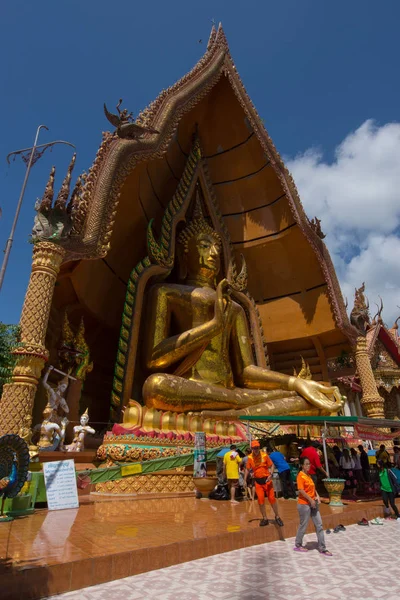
(51, 434)
(80, 432)
(198, 344)
(25, 432)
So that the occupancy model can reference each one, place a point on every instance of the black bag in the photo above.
(219, 493)
(260, 480)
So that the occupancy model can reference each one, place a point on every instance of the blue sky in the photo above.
(316, 71)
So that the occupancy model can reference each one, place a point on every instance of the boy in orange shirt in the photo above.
(263, 469)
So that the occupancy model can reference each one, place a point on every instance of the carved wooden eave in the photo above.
(117, 157)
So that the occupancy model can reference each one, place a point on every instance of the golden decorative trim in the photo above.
(148, 484)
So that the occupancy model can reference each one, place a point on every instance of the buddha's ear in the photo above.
(182, 262)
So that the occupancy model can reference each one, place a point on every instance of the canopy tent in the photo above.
(365, 428)
(293, 420)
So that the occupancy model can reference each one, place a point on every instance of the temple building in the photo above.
(94, 254)
(383, 349)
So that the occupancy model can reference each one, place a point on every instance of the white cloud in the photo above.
(357, 198)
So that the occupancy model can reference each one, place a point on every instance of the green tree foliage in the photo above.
(9, 338)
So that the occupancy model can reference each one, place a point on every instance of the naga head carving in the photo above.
(53, 222)
(359, 316)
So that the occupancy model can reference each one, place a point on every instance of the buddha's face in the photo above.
(203, 253)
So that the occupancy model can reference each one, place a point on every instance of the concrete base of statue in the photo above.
(335, 488)
(205, 485)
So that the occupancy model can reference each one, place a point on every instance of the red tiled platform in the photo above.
(53, 552)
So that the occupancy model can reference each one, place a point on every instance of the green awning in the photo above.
(338, 421)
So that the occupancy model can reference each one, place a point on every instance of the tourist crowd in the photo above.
(254, 473)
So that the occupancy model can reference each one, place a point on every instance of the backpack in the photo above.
(394, 482)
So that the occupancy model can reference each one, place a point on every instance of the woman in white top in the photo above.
(358, 473)
(347, 464)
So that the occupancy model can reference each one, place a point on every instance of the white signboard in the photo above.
(60, 482)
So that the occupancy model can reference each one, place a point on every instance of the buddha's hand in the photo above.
(326, 398)
(222, 303)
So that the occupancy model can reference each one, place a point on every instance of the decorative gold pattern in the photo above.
(74, 351)
(162, 254)
(18, 396)
(148, 484)
(135, 453)
(335, 489)
(371, 401)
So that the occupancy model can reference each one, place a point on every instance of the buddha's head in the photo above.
(199, 248)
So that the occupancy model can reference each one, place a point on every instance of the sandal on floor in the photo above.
(325, 552)
(336, 529)
(328, 531)
(300, 549)
(342, 528)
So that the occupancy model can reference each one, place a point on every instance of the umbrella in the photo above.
(222, 452)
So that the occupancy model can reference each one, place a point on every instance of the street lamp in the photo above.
(34, 154)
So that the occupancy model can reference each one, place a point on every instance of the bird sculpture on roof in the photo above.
(125, 124)
(14, 465)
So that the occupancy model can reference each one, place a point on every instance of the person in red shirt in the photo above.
(263, 469)
(311, 453)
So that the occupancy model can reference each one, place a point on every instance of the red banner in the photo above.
(370, 433)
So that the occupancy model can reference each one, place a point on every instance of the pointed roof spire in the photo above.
(63, 194)
(394, 332)
(211, 39)
(45, 204)
(220, 37)
(75, 196)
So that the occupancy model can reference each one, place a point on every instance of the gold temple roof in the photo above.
(291, 275)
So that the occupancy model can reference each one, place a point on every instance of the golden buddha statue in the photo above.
(199, 349)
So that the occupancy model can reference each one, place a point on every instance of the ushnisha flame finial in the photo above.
(359, 316)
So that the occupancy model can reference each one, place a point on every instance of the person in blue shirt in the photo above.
(284, 473)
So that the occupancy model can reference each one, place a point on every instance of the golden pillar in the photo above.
(371, 401)
(18, 396)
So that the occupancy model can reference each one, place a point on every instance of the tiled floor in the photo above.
(52, 552)
(364, 566)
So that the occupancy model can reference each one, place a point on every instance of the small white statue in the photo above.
(80, 431)
(56, 396)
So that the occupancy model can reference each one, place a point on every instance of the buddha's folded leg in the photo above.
(169, 392)
(284, 405)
